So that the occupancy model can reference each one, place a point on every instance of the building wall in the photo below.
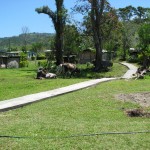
(8, 60)
(12, 60)
(86, 57)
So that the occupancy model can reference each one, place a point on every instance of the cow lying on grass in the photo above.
(2, 66)
(67, 69)
(141, 71)
(43, 73)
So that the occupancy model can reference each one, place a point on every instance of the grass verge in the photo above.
(20, 82)
(88, 111)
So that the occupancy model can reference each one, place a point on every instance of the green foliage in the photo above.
(128, 37)
(131, 19)
(126, 13)
(72, 40)
(33, 58)
(144, 44)
(111, 28)
(16, 41)
(41, 57)
(23, 60)
(42, 63)
(142, 14)
(116, 70)
(144, 36)
(23, 64)
(24, 49)
(133, 59)
(59, 20)
(37, 47)
(23, 56)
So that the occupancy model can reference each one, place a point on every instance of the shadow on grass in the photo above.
(87, 73)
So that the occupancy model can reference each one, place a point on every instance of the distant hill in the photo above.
(18, 41)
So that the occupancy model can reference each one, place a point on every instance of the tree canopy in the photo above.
(59, 19)
(102, 27)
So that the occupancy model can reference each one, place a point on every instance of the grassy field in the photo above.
(88, 111)
(20, 82)
(61, 122)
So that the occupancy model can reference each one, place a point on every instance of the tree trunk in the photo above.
(98, 59)
(59, 27)
(96, 15)
(124, 50)
(59, 46)
(58, 18)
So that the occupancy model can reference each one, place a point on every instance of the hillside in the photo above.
(18, 41)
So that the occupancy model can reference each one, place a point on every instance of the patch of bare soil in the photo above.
(137, 113)
(141, 98)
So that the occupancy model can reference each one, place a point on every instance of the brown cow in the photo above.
(67, 69)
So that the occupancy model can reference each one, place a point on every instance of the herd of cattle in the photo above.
(69, 69)
(65, 69)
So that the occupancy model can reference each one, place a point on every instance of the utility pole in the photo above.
(9, 49)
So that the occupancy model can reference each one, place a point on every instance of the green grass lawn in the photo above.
(20, 82)
(88, 111)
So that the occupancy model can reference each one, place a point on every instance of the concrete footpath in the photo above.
(132, 70)
(28, 99)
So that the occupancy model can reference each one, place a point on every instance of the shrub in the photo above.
(23, 60)
(133, 59)
(33, 58)
(42, 63)
(24, 63)
(41, 57)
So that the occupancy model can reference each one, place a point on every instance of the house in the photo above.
(133, 55)
(2, 52)
(88, 55)
(70, 59)
(31, 55)
(15, 53)
(9, 58)
(49, 54)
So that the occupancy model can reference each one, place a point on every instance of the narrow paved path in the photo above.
(24, 100)
(132, 70)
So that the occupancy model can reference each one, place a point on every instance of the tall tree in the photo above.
(126, 15)
(36, 48)
(144, 44)
(59, 19)
(72, 40)
(110, 29)
(25, 31)
(96, 9)
(141, 14)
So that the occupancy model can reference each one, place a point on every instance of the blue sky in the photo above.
(16, 14)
